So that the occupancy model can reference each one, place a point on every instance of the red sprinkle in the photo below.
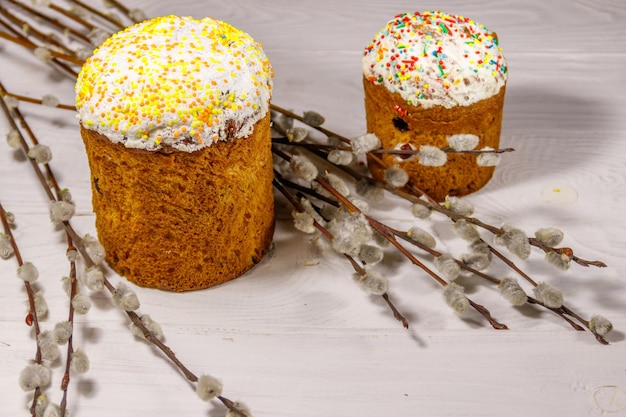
(400, 110)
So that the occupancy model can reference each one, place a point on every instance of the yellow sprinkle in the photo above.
(155, 81)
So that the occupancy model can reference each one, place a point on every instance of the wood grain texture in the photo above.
(293, 340)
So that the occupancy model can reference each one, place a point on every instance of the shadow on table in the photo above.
(552, 133)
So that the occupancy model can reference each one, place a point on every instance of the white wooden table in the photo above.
(295, 340)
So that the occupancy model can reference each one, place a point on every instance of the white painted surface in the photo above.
(294, 340)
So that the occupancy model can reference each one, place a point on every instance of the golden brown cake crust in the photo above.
(183, 221)
(419, 126)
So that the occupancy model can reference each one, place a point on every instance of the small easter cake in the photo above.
(431, 78)
(174, 115)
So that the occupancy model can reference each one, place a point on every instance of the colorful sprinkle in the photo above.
(400, 110)
(433, 58)
(174, 81)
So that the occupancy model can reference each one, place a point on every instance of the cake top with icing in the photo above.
(433, 58)
(175, 82)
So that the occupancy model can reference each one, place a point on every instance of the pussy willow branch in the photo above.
(355, 265)
(51, 21)
(396, 313)
(78, 241)
(399, 152)
(320, 129)
(65, 382)
(32, 317)
(19, 39)
(15, 20)
(379, 227)
(416, 193)
(55, 62)
(33, 100)
(277, 182)
(69, 14)
(561, 312)
(435, 206)
(30, 45)
(72, 16)
(498, 231)
(120, 7)
(98, 13)
(382, 229)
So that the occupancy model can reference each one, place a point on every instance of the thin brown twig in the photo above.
(301, 119)
(512, 265)
(305, 190)
(65, 382)
(567, 251)
(231, 406)
(39, 101)
(23, 143)
(72, 16)
(448, 149)
(30, 45)
(32, 310)
(560, 312)
(98, 13)
(296, 204)
(126, 11)
(396, 313)
(7, 26)
(120, 6)
(32, 30)
(51, 21)
(398, 152)
(585, 323)
(32, 318)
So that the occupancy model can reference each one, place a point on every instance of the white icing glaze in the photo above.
(433, 58)
(175, 82)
